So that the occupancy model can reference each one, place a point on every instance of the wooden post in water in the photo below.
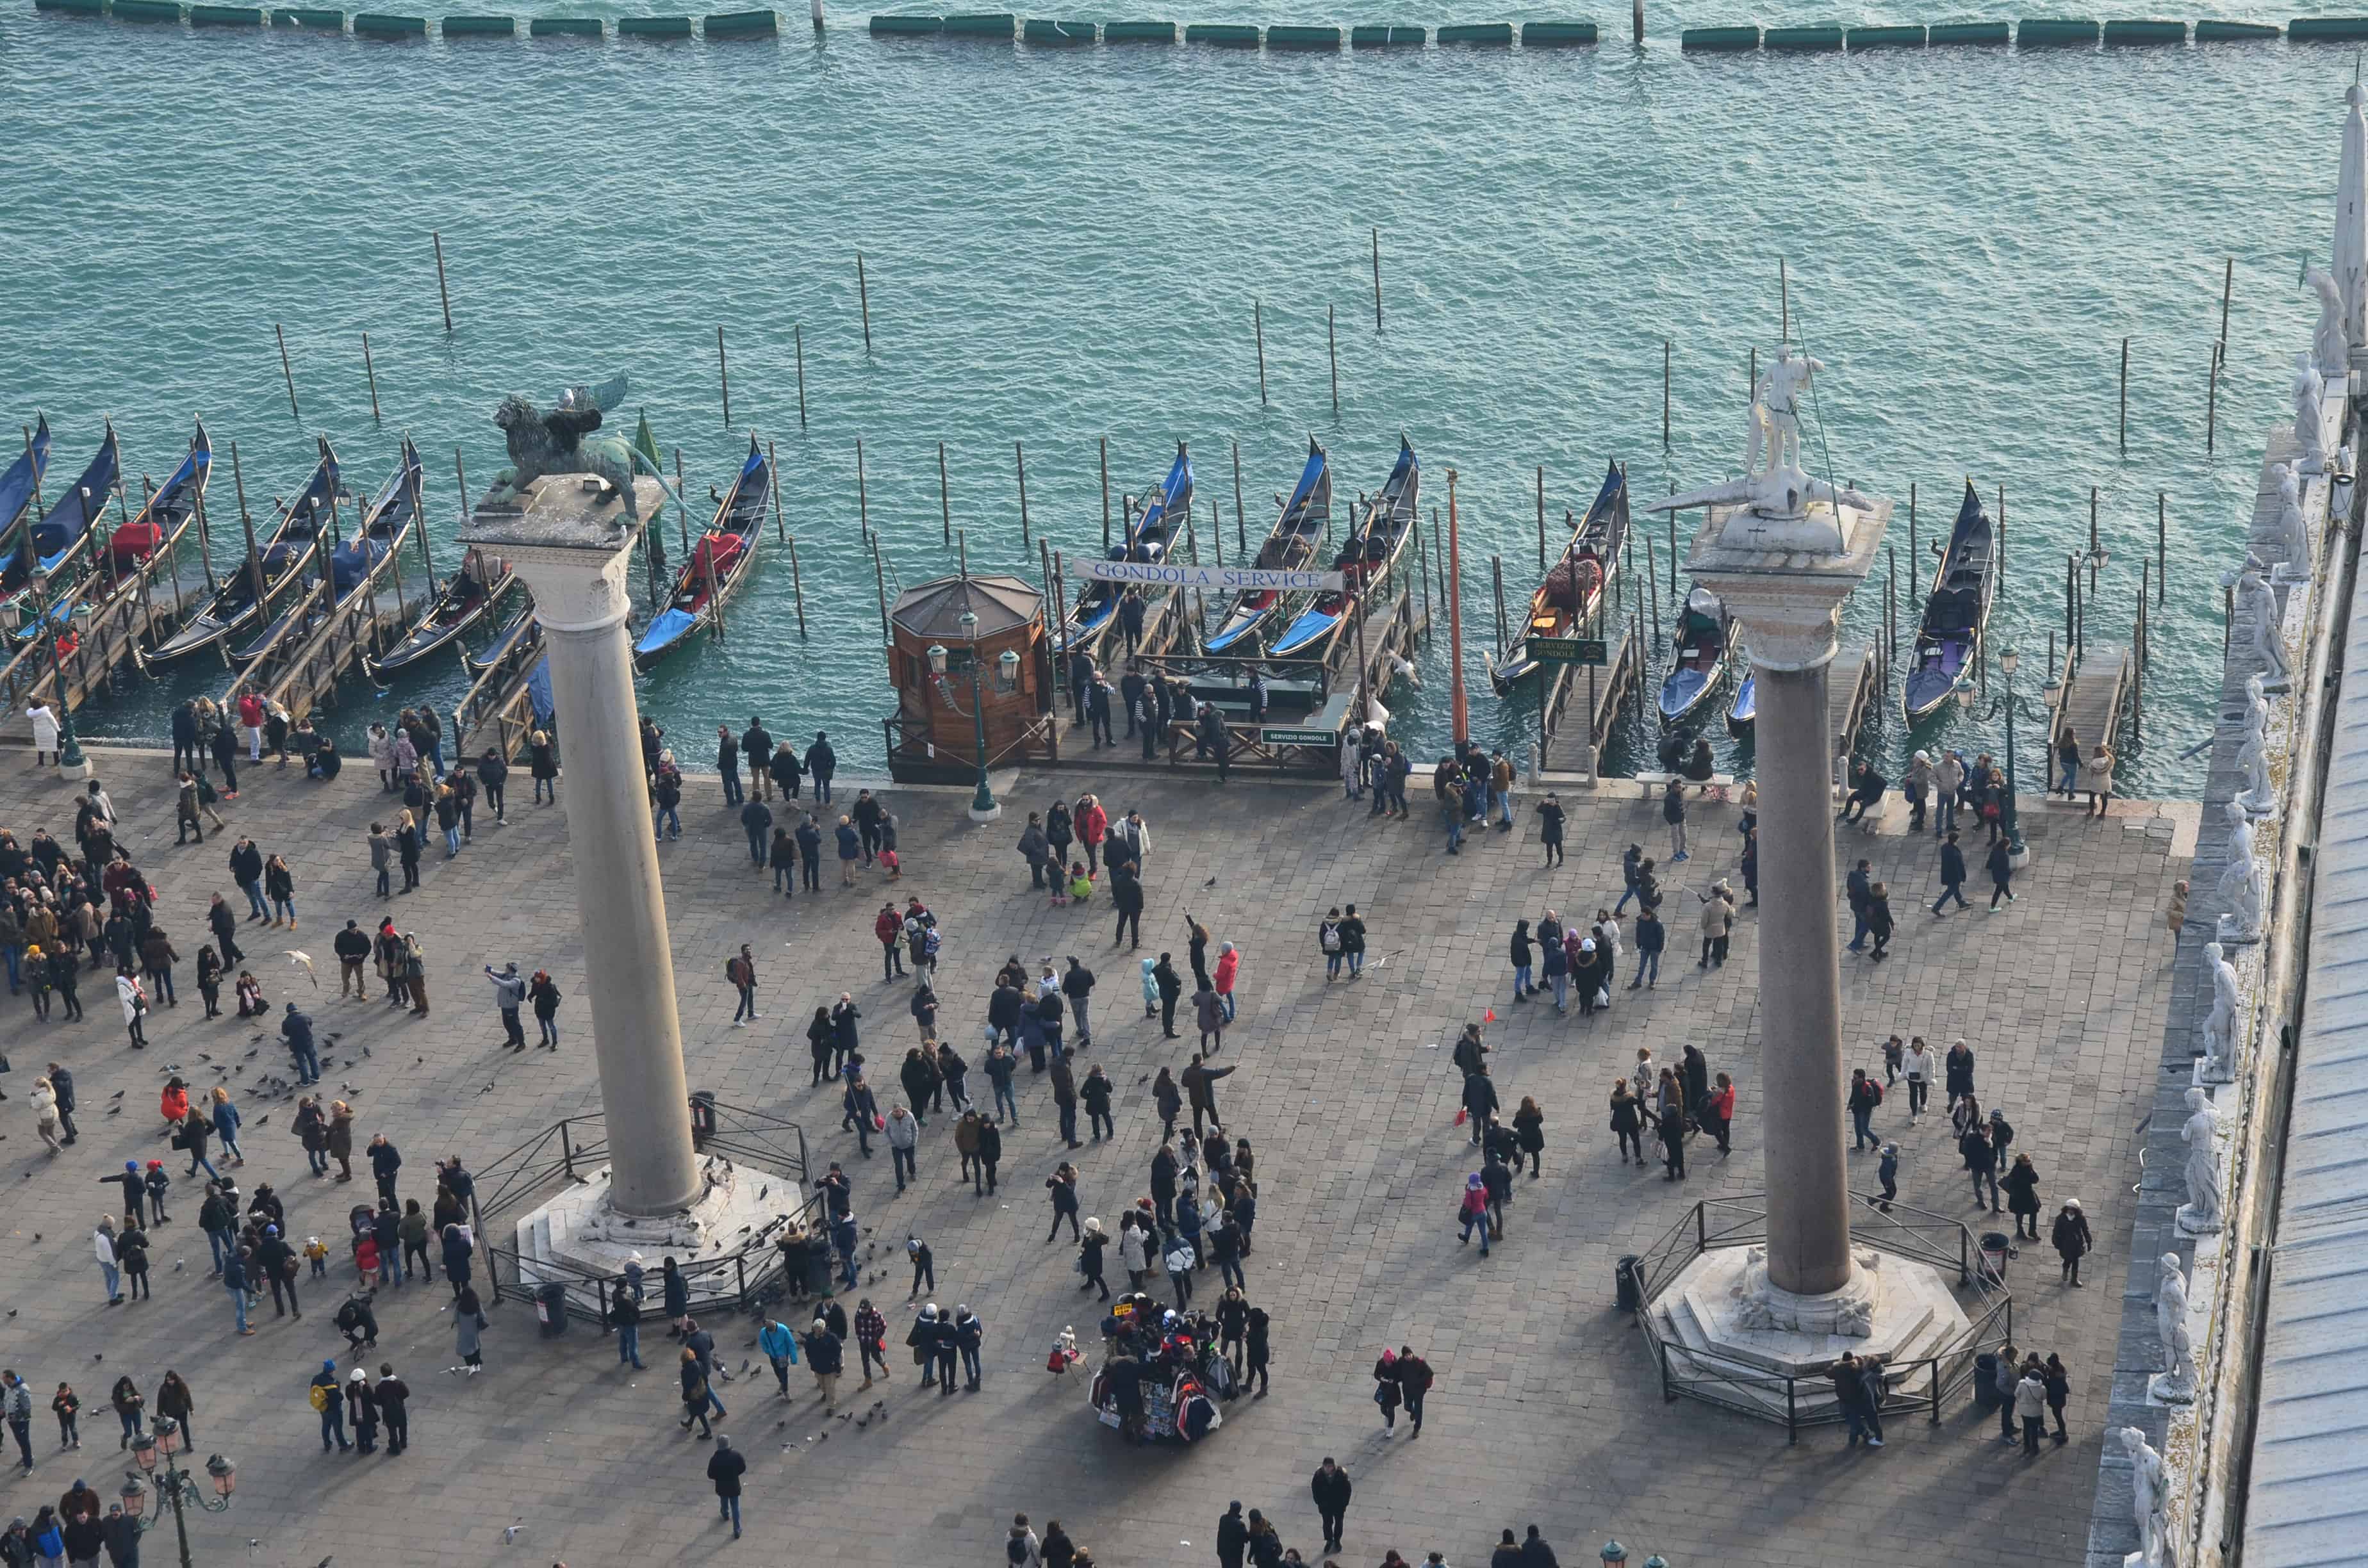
(682, 513)
(798, 335)
(1020, 462)
(2228, 283)
(1673, 564)
(1541, 518)
(797, 585)
(287, 376)
(1653, 587)
(945, 503)
(1217, 528)
(1914, 559)
(2227, 619)
(1496, 580)
(1637, 19)
(863, 296)
(1751, 387)
(2093, 550)
(1422, 567)
(1891, 611)
(371, 371)
(2144, 568)
(714, 598)
(1257, 326)
(773, 472)
(1458, 706)
(1377, 282)
(1783, 303)
(724, 373)
(880, 587)
(2212, 403)
(1106, 495)
(1332, 351)
(1665, 395)
(2001, 535)
(41, 512)
(2161, 544)
(2125, 396)
(1241, 534)
(862, 496)
(441, 291)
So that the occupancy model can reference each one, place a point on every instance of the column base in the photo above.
(581, 1232)
(989, 814)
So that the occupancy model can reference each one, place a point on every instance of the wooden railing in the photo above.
(499, 710)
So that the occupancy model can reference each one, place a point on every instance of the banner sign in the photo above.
(1570, 649)
(1228, 579)
(1300, 737)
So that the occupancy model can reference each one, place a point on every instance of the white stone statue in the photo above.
(2220, 1025)
(2175, 1384)
(1787, 382)
(1755, 447)
(2200, 1214)
(2310, 424)
(2294, 533)
(2150, 1501)
(2244, 888)
(2328, 350)
(2257, 602)
(2259, 797)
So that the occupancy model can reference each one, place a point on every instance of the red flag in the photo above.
(1489, 1016)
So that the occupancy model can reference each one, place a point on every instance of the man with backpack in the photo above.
(1865, 1094)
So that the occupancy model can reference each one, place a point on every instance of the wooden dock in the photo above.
(1598, 693)
(109, 622)
(1853, 685)
(497, 714)
(2096, 681)
(298, 668)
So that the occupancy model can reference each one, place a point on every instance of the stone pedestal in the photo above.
(572, 542)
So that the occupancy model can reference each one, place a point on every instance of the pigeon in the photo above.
(421, 1061)
(116, 1095)
(1210, 883)
(12, 1312)
(177, 1265)
(100, 1355)
(256, 1052)
(366, 1051)
(115, 1110)
(203, 1057)
(263, 1122)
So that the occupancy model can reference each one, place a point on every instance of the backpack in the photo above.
(320, 1399)
(1330, 937)
(1875, 1092)
(1015, 1548)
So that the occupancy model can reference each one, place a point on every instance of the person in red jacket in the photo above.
(1721, 1115)
(1093, 825)
(890, 928)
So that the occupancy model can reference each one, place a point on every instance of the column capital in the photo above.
(572, 542)
(1787, 583)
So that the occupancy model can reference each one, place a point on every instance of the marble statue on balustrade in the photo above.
(2220, 1023)
(2244, 886)
(2175, 1384)
(2257, 608)
(2258, 796)
(2201, 1213)
(2293, 532)
(2310, 425)
(2328, 352)
(2149, 1500)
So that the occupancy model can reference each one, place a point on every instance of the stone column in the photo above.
(570, 547)
(1786, 581)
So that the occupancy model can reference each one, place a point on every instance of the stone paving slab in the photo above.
(1546, 1409)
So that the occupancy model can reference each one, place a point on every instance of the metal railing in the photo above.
(568, 1152)
(1689, 1372)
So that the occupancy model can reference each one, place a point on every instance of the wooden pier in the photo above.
(1853, 685)
(300, 666)
(1600, 692)
(497, 714)
(2096, 681)
(109, 621)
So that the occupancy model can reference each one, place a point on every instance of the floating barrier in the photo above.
(2233, 32)
(371, 24)
(2146, 32)
(564, 27)
(907, 27)
(1223, 35)
(1388, 38)
(1001, 25)
(148, 11)
(743, 24)
(1940, 33)
(2054, 33)
(1804, 39)
(1138, 32)
(1720, 40)
(653, 27)
(1557, 35)
(1885, 37)
(1303, 37)
(72, 8)
(1497, 35)
(2316, 29)
(1056, 35)
(479, 27)
(225, 16)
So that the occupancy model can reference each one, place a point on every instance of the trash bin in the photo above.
(1630, 1283)
(1997, 1247)
(551, 1309)
(702, 1117)
(1985, 1389)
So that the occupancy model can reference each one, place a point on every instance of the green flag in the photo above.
(645, 446)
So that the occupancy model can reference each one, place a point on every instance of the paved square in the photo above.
(1546, 1409)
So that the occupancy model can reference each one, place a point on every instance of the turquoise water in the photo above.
(1066, 245)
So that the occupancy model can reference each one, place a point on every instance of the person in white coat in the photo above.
(45, 1114)
(102, 1247)
(135, 1005)
(1134, 1255)
(45, 733)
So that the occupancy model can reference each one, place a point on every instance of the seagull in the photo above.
(306, 960)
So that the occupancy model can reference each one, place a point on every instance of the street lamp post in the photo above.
(69, 749)
(983, 805)
(2010, 819)
(178, 1486)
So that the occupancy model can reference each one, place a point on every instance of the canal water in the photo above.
(1066, 247)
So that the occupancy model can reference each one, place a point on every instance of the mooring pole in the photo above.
(863, 295)
(723, 372)
(2125, 395)
(1665, 395)
(2228, 283)
(1541, 517)
(862, 496)
(1377, 279)
(945, 503)
(2212, 403)
(1020, 461)
(371, 371)
(286, 375)
(1106, 495)
(1257, 326)
(1332, 351)
(2161, 544)
(1241, 534)
(798, 335)
(442, 292)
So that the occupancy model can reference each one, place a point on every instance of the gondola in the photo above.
(1744, 713)
(281, 560)
(1705, 639)
(50, 543)
(1578, 581)
(475, 588)
(1373, 547)
(159, 526)
(723, 558)
(1298, 533)
(386, 524)
(1146, 543)
(21, 482)
(1949, 639)
(504, 641)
